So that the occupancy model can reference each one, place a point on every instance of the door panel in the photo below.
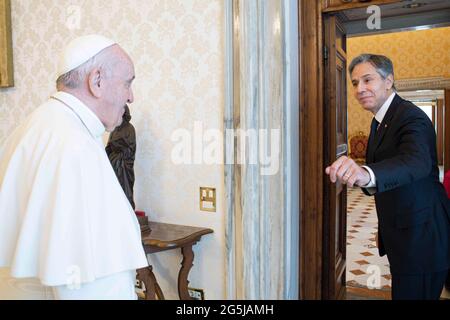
(335, 206)
(334, 5)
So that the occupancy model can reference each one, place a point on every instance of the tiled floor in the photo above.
(365, 268)
(356, 293)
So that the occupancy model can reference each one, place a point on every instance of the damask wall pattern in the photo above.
(415, 54)
(178, 50)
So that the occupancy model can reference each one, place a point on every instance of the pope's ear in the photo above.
(94, 82)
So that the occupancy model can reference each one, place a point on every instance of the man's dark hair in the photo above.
(382, 64)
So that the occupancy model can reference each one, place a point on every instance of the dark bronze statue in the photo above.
(121, 150)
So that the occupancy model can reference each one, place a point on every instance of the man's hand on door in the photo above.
(347, 171)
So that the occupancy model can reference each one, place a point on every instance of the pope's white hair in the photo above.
(105, 61)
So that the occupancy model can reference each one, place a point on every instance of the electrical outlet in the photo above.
(196, 294)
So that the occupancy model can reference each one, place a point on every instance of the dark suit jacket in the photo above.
(412, 207)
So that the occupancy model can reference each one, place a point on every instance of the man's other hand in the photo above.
(346, 171)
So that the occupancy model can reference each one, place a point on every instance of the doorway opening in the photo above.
(367, 274)
(325, 28)
(431, 102)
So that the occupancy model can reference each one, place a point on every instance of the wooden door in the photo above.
(335, 206)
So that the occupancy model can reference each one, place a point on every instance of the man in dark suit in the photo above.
(446, 183)
(401, 171)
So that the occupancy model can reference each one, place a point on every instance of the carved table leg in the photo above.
(152, 288)
(186, 265)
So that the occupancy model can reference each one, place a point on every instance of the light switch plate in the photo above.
(208, 199)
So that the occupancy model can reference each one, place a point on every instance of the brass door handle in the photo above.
(341, 150)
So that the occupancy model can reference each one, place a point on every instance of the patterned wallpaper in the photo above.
(415, 54)
(178, 50)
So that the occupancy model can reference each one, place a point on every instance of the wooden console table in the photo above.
(164, 237)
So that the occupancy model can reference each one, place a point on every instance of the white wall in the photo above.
(178, 50)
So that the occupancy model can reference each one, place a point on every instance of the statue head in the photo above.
(126, 115)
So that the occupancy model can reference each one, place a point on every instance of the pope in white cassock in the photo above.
(64, 218)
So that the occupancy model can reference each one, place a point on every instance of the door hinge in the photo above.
(325, 53)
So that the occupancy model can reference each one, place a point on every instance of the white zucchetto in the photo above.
(80, 50)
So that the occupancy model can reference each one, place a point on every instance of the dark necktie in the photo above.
(370, 146)
(373, 129)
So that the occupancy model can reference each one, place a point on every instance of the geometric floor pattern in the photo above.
(365, 268)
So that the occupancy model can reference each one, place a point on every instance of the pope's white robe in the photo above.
(119, 286)
(64, 217)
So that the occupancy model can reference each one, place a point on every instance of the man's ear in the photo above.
(95, 82)
(389, 82)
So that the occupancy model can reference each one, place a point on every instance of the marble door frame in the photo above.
(262, 217)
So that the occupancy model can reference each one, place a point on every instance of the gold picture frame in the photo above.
(6, 56)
